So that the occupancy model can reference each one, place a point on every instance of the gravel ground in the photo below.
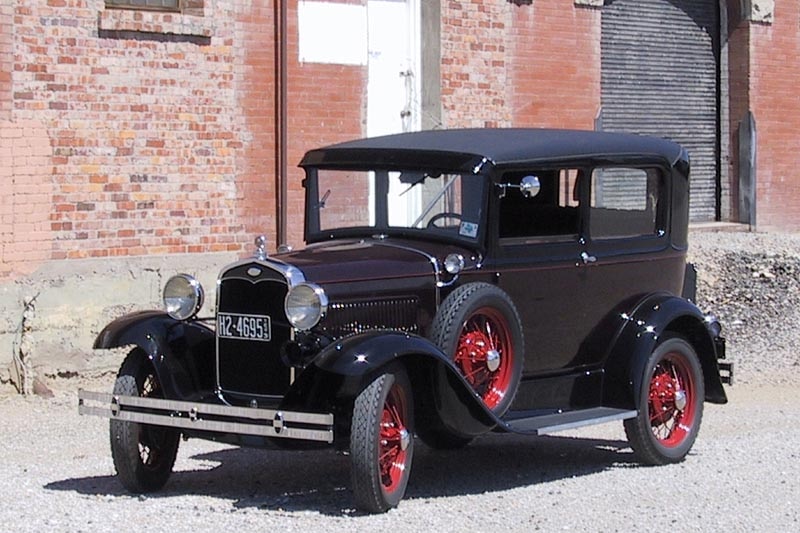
(742, 474)
(752, 283)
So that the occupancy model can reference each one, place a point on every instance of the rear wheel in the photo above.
(382, 441)
(143, 454)
(670, 404)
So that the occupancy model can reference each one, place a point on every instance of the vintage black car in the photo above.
(454, 283)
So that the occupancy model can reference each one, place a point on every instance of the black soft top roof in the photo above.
(473, 149)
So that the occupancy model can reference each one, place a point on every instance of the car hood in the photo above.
(369, 259)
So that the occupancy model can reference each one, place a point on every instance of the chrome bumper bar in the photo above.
(208, 417)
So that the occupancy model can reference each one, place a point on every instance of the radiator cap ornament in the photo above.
(261, 247)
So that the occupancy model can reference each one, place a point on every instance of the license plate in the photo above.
(248, 327)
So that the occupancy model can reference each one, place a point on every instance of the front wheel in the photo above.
(478, 326)
(143, 454)
(670, 404)
(382, 441)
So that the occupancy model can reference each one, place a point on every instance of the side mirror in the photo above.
(530, 186)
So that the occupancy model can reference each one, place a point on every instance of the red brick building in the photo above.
(175, 127)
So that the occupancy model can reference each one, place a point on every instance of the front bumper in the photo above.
(201, 416)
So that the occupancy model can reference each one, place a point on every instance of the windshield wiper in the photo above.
(432, 203)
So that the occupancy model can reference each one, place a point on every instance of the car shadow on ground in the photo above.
(319, 480)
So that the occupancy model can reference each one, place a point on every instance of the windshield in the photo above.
(349, 202)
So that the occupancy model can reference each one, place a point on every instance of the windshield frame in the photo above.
(381, 229)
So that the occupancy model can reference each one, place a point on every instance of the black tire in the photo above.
(143, 454)
(382, 441)
(670, 404)
(480, 314)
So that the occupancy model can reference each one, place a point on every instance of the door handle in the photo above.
(587, 258)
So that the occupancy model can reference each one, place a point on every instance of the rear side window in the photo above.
(626, 202)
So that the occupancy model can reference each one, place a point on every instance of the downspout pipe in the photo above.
(281, 118)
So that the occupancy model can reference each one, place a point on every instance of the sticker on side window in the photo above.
(468, 229)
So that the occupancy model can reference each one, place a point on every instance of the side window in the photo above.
(625, 203)
(551, 214)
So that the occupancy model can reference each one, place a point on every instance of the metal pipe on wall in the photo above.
(281, 114)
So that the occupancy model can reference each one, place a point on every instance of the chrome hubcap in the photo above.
(680, 400)
(405, 439)
(492, 360)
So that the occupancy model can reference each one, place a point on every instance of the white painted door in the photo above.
(393, 83)
(393, 50)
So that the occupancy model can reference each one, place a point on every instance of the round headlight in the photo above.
(305, 305)
(183, 297)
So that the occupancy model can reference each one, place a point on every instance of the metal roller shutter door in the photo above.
(659, 77)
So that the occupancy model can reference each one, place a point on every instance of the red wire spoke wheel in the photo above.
(672, 400)
(382, 441)
(478, 326)
(485, 355)
(670, 404)
(394, 440)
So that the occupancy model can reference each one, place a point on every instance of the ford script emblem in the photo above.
(253, 272)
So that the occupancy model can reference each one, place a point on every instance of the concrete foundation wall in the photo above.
(50, 318)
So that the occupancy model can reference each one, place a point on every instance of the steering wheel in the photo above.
(440, 216)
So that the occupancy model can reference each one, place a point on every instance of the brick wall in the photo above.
(739, 95)
(25, 196)
(6, 58)
(775, 76)
(254, 114)
(162, 125)
(515, 63)
(475, 85)
(555, 64)
(327, 104)
(139, 108)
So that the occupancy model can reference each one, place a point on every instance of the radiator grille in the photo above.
(349, 318)
(247, 366)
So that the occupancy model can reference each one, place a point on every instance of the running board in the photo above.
(550, 423)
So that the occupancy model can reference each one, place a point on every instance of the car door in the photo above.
(537, 262)
(627, 249)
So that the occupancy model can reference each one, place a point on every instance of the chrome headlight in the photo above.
(454, 263)
(183, 296)
(305, 305)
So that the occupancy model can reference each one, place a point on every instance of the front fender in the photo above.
(637, 337)
(343, 369)
(182, 353)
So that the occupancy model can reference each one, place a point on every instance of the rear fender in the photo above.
(638, 336)
(182, 353)
(344, 368)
